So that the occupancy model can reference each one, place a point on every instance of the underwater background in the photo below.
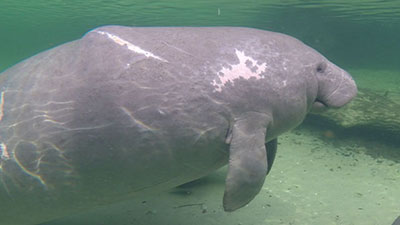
(341, 168)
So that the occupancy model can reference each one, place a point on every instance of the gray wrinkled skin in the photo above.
(126, 111)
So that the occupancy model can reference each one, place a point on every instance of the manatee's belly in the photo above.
(61, 152)
(56, 144)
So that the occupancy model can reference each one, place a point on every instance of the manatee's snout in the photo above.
(343, 93)
(336, 87)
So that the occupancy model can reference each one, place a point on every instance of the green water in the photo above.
(353, 33)
(362, 36)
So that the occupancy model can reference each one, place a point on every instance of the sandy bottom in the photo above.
(316, 179)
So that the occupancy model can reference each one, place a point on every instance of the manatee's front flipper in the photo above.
(271, 147)
(247, 160)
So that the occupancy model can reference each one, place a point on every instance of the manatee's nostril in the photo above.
(321, 67)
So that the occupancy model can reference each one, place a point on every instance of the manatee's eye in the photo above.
(321, 67)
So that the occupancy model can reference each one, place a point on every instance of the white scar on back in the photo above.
(240, 70)
(131, 46)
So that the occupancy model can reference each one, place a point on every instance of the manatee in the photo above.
(127, 111)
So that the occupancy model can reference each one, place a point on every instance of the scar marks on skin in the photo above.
(35, 158)
(202, 133)
(33, 174)
(130, 46)
(135, 121)
(52, 111)
(246, 68)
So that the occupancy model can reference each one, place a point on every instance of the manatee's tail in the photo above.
(397, 221)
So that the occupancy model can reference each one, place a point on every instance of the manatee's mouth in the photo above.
(319, 106)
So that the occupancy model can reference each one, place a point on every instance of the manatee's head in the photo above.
(335, 86)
